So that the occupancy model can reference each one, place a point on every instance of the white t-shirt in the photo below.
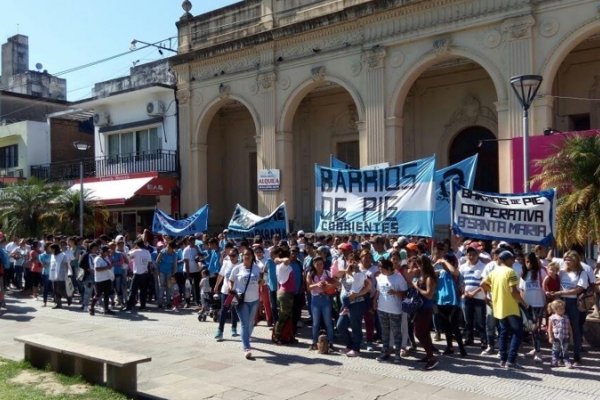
(533, 289)
(283, 272)
(386, 302)
(58, 267)
(140, 259)
(240, 275)
(570, 280)
(225, 272)
(101, 276)
(353, 284)
(586, 268)
(190, 253)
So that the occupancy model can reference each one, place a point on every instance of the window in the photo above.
(579, 122)
(349, 152)
(9, 156)
(135, 143)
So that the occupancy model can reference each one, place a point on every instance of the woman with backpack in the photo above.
(425, 281)
(319, 283)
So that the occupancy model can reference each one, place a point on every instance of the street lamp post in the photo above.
(526, 88)
(81, 146)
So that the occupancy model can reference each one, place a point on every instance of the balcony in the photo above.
(11, 173)
(156, 161)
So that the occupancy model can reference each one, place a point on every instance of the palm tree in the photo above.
(67, 212)
(575, 171)
(26, 206)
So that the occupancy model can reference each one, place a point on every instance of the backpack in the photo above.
(412, 302)
(287, 333)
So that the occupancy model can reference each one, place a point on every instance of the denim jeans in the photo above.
(391, 331)
(19, 276)
(352, 320)
(246, 311)
(223, 315)
(120, 285)
(574, 316)
(162, 289)
(511, 325)
(47, 287)
(88, 291)
(321, 311)
(491, 327)
(475, 319)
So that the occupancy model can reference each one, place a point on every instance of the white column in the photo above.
(375, 106)
(504, 148)
(265, 144)
(393, 140)
(285, 162)
(542, 114)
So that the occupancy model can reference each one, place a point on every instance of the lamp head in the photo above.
(81, 146)
(132, 45)
(526, 88)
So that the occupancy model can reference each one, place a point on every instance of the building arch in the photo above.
(293, 101)
(479, 140)
(204, 120)
(431, 58)
(557, 55)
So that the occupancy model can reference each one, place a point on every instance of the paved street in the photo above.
(187, 363)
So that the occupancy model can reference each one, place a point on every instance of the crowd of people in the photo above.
(403, 291)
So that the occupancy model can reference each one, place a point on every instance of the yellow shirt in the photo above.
(501, 280)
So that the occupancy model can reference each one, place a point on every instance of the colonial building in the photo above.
(282, 84)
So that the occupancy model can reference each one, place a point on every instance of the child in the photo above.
(205, 292)
(551, 282)
(559, 332)
(176, 300)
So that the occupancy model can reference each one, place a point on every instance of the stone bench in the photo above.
(71, 358)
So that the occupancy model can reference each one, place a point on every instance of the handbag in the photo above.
(412, 302)
(586, 299)
(69, 288)
(527, 317)
(242, 295)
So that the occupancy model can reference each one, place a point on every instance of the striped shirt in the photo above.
(473, 275)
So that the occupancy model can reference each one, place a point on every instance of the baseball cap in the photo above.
(412, 247)
(345, 247)
(119, 238)
(505, 255)
(300, 232)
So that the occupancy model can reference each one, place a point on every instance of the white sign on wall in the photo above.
(269, 179)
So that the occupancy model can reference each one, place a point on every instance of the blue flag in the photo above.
(245, 224)
(195, 223)
(398, 200)
(463, 173)
(337, 163)
(523, 217)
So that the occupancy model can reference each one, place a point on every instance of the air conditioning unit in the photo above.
(155, 108)
(101, 119)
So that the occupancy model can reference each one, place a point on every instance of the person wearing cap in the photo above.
(379, 252)
(503, 283)
(473, 297)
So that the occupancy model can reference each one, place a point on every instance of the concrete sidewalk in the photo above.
(187, 363)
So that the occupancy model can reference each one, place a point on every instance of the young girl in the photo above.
(532, 289)
(559, 332)
(552, 282)
(176, 300)
(205, 292)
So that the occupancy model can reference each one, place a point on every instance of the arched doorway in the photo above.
(324, 124)
(231, 163)
(478, 140)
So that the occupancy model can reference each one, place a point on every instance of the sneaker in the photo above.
(345, 311)
(488, 351)
(370, 346)
(532, 353)
(383, 358)
(403, 353)
(570, 365)
(448, 352)
(431, 364)
(561, 363)
(248, 354)
(502, 364)
(219, 335)
(233, 332)
(437, 337)
(577, 364)
(514, 365)
(352, 353)
(397, 359)
(554, 364)
(537, 358)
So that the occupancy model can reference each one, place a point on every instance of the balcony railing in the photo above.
(155, 161)
(11, 173)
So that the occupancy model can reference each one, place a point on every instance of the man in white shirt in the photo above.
(141, 259)
(474, 297)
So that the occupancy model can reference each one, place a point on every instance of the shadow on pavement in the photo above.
(289, 359)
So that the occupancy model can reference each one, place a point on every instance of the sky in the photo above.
(64, 34)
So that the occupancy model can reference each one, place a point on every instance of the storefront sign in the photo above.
(269, 179)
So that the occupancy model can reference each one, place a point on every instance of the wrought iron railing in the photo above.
(154, 161)
(11, 173)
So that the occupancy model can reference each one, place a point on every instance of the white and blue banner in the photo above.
(398, 200)
(463, 173)
(524, 217)
(195, 223)
(245, 224)
(339, 164)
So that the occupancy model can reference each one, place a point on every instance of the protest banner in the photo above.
(195, 223)
(395, 200)
(245, 224)
(463, 173)
(524, 218)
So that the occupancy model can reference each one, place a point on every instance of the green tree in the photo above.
(67, 212)
(575, 172)
(26, 206)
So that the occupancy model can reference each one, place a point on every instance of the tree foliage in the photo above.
(574, 170)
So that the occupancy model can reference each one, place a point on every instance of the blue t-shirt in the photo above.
(271, 275)
(166, 262)
(213, 262)
(446, 290)
(180, 264)
(45, 260)
(116, 259)
(380, 256)
(297, 266)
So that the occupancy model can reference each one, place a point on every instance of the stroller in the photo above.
(211, 305)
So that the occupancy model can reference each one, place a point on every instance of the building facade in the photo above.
(282, 84)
